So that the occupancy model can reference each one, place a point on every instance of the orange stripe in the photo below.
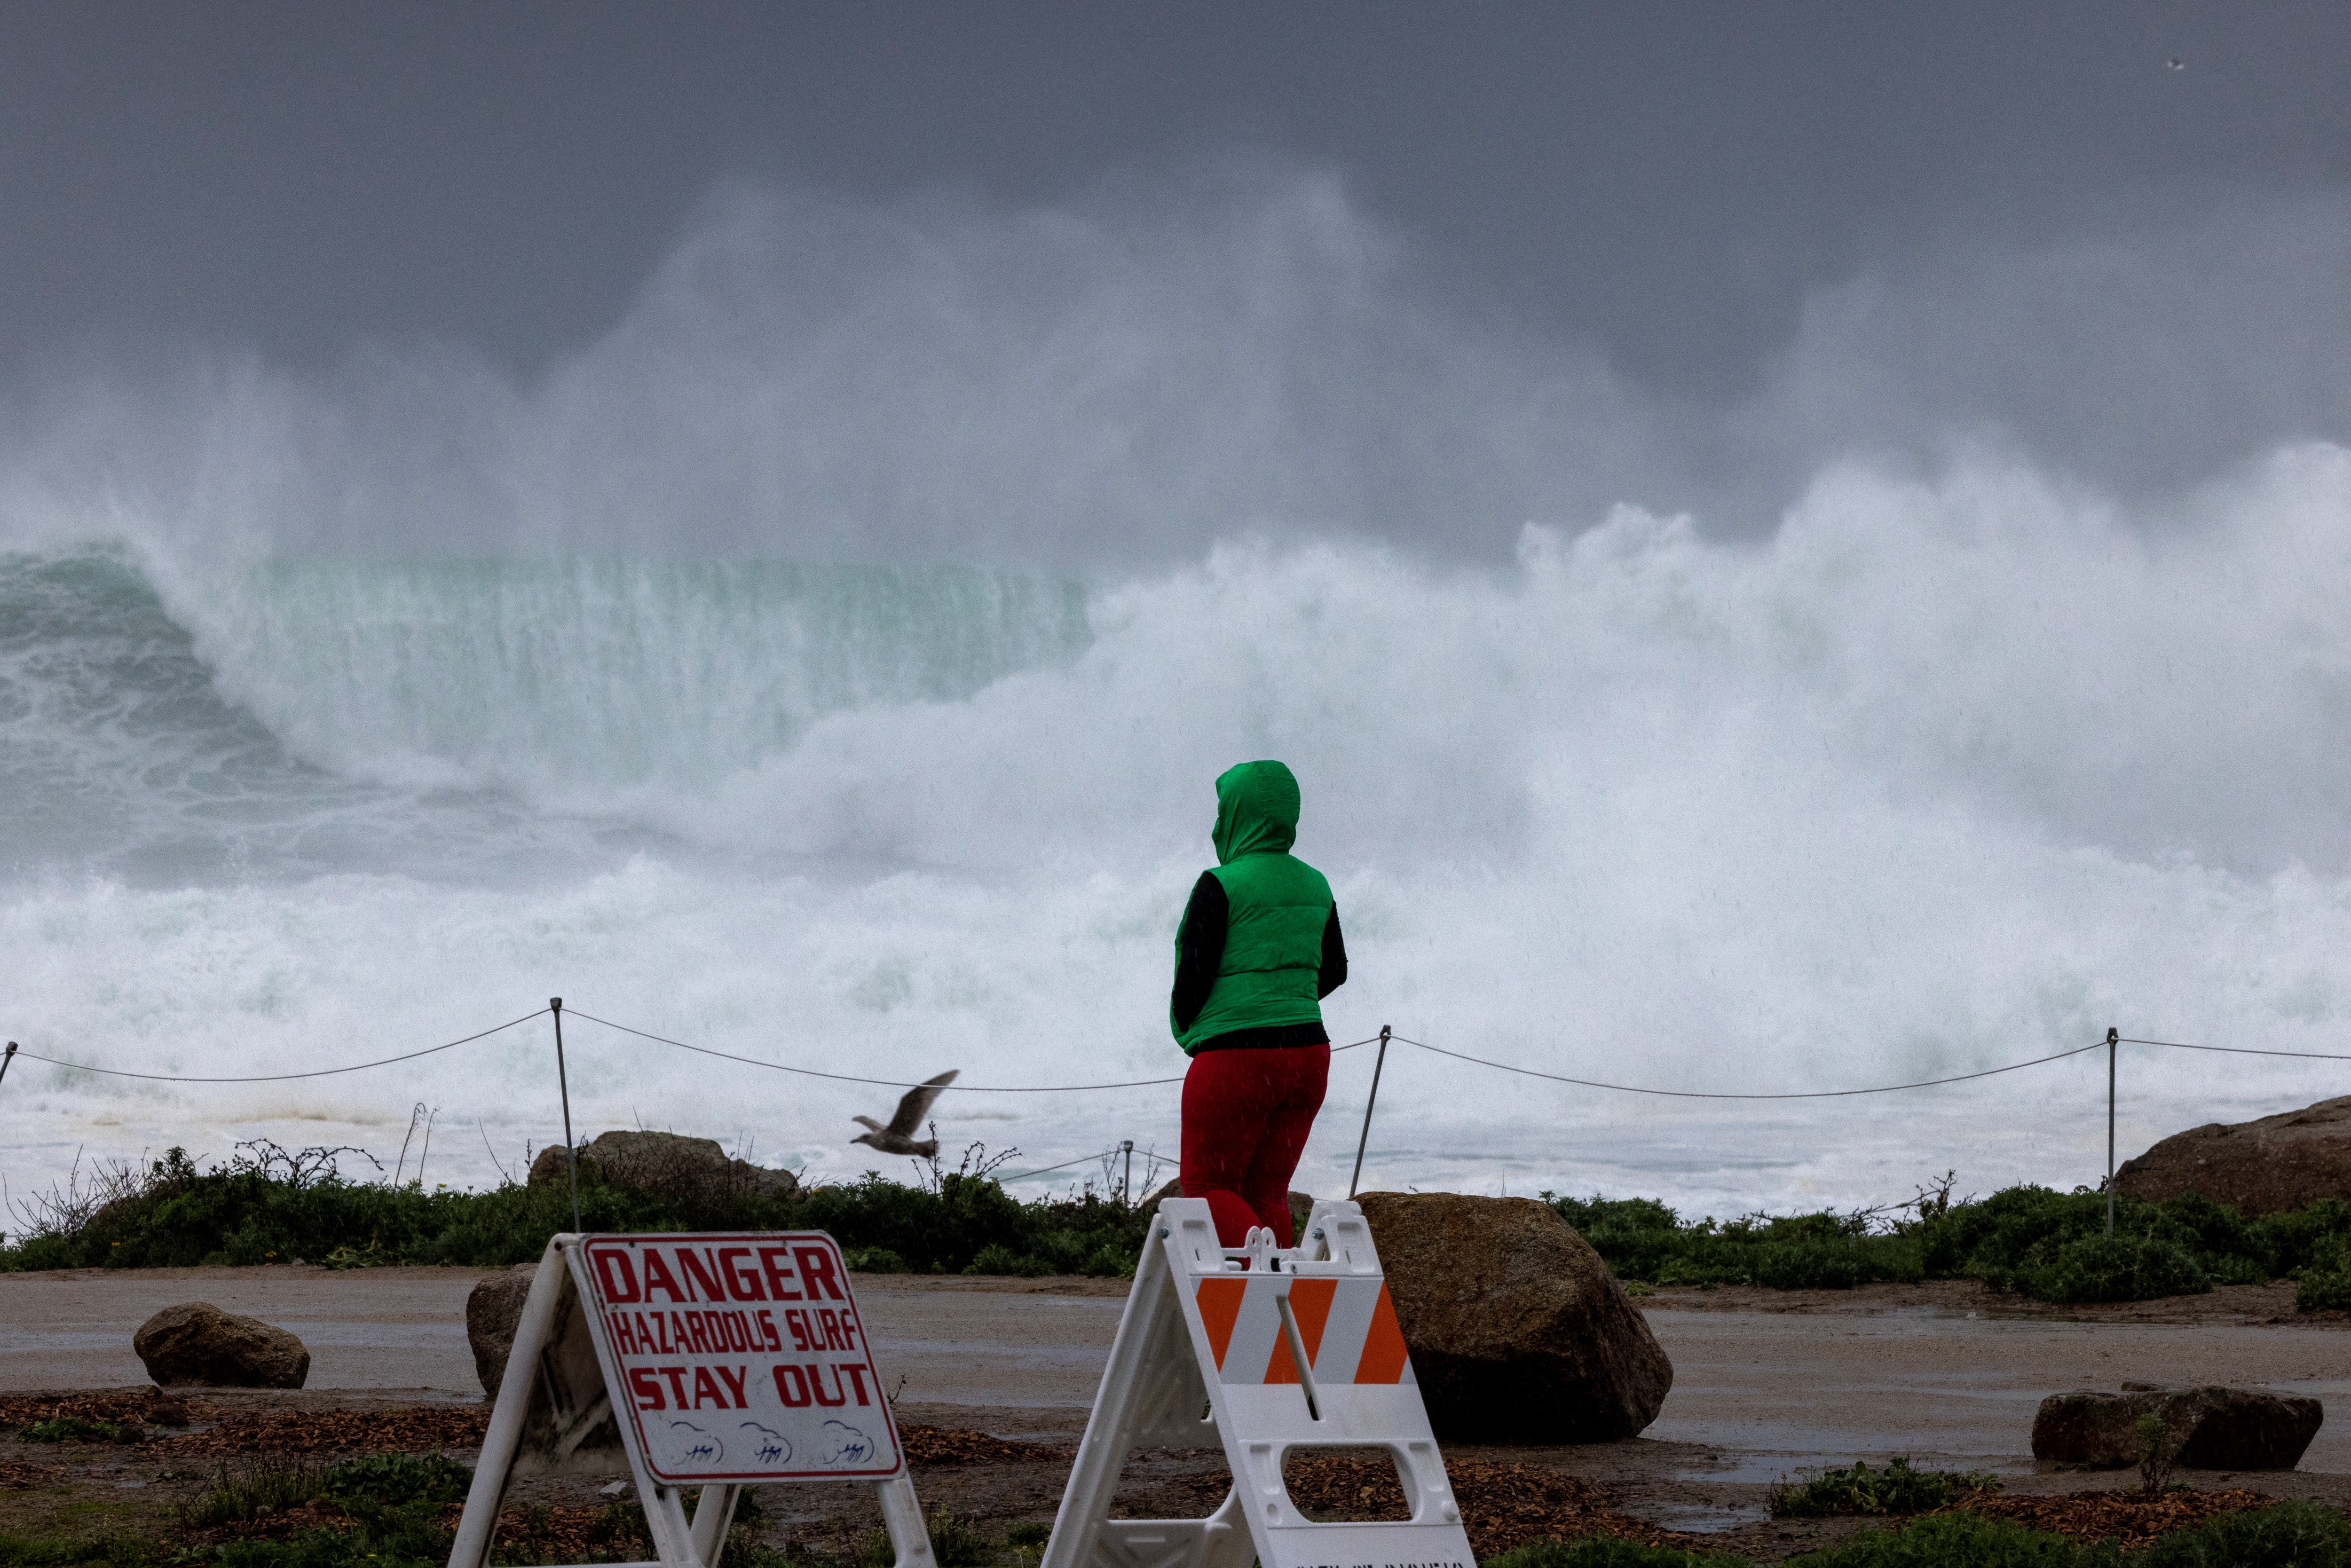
(1310, 1303)
(1384, 1354)
(1220, 1308)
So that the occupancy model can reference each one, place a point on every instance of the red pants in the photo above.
(1246, 1117)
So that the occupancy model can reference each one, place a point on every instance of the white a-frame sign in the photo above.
(709, 1362)
(1281, 1350)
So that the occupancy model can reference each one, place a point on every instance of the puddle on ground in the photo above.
(1702, 1519)
(1737, 1468)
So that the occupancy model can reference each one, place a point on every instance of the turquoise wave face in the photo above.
(473, 718)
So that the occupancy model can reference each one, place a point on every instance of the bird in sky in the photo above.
(898, 1138)
(2175, 64)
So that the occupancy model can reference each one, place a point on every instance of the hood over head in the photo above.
(1257, 810)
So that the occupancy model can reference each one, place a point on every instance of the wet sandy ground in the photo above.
(1765, 1383)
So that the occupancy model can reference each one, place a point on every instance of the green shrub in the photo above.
(2032, 1240)
(1839, 1265)
(998, 1258)
(1606, 1551)
(2286, 1535)
(237, 1495)
(2321, 1292)
(266, 1205)
(2112, 1269)
(954, 1542)
(957, 1544)
(1960, 1541)
(105, 1552)
(73, 1429)
(1028, 1533)
(2241, 1271)
(1857, 1488)
(873, 1260)
(1109, 1261)
(394, 1480)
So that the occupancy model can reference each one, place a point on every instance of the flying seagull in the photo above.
(2175, 64)
(898, 1138)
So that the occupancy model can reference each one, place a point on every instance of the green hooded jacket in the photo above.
(1277, 910)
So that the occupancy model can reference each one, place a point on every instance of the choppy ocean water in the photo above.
(1861, 803)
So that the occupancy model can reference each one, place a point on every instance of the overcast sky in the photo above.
(1674, 187)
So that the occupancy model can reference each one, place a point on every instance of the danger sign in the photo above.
(740, 1357)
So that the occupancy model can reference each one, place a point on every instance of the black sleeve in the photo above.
(1335, 957)
(1199, 950)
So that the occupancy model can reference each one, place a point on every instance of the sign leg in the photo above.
(537, 1325)
(713, 1512)
(666, 1523)
(902, 1516)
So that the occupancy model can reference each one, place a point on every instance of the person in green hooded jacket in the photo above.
(1257, 951)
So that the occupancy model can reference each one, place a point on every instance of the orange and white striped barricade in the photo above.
(709, 1362)
(1282, 1350)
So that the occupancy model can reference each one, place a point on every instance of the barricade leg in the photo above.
(1151, 1395)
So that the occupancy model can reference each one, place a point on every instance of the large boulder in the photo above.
(665, 1163)
(493, 1310)
(196, 1343)
(2216, 1428)
(1518, 1331)
(2257, 1167)
(1300, 1206)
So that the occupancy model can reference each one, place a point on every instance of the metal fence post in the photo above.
(563, 1086)
(2113, 1043)
(1368, 1104)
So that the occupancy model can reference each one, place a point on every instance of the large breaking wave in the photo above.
(1957, 763)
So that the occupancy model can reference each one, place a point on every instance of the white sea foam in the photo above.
(1957, 765)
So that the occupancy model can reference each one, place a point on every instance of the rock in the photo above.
(2217, 1428)
(492, 1310)
(2279, 1162)
(196, 1342)
(1300, 1206)
(665, 1163)
(1518, 1331)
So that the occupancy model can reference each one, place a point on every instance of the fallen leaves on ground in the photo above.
(1502, 1506)
(953, 1446)
(2130, 1516)
(410, 1431)
(562, 1534)
(16, 1476)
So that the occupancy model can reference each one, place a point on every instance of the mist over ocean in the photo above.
(832, 665)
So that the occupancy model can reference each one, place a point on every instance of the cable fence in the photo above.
(556, 1008)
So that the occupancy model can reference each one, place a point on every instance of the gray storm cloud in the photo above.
(1099, 385)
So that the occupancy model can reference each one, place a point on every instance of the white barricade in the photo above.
(709, 1361)
(1259, 1351)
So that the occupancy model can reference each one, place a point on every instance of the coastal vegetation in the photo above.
(2047, 1245)
(394, 1513)
(267, 1205)
(2285, 1535)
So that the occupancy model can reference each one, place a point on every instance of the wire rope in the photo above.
(2236, 1050)
(285, 1077)
(900, 1082)
(1704, 1094)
